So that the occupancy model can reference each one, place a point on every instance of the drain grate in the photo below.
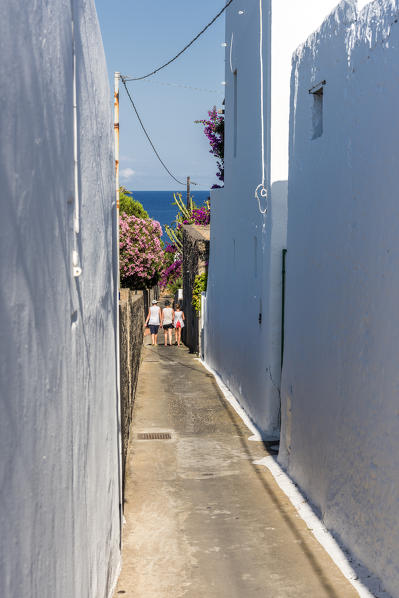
(154, 436)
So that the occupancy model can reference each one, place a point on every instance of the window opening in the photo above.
(317, 110)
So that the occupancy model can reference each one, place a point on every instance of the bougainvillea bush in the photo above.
(141, 253)
(170, 252)
(200, 216)
(171, 276)
(214, 130)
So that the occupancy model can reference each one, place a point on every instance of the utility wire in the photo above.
(147, 135)
(182, 85)
(127, 78)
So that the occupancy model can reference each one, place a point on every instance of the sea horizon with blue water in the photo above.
(159, 204)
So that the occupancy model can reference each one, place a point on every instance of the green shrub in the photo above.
(130, 206)
(200, 285)
(174, 286)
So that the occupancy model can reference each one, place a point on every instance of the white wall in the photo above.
(59, 496)
(236, 345)
(248, 355)
(292, 22)
(340, 387)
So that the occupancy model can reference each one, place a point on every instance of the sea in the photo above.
(159, 204)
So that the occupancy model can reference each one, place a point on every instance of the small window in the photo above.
(317, 110)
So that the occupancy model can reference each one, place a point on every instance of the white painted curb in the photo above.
(301, 505)
(318, 529)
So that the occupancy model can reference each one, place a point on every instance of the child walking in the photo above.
(179, 323)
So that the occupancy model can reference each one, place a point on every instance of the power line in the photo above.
(147, 135)
(182, 85)
(127, 78)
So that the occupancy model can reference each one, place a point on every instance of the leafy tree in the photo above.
(130, 206)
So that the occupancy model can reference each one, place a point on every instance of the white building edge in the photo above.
(349, 476)
(243, 341)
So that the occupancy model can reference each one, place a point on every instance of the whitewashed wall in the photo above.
(236, 345)
(292, 22)
(340, 436)
(245, 270)
(59, 486)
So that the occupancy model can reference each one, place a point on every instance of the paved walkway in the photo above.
(202, 521)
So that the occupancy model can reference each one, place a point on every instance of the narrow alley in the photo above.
(202, 520)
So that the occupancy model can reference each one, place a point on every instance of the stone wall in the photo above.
(195, 261)
(131, 319)
(133, 308)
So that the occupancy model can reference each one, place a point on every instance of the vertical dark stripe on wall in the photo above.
(235, 113)
(283, 275)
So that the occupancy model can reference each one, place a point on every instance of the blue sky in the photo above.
(138, 37)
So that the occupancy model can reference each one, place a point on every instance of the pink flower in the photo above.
(141, 255)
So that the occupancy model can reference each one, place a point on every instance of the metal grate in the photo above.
(154, 436)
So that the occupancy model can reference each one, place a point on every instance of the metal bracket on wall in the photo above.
(317, 89)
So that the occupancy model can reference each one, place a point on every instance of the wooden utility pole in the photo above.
(188, 192)
(116, 135)
(117, 298)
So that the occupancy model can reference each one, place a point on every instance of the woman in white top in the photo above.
(168, 315)
(179, 323)
(154, 320)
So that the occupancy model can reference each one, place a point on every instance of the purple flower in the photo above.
(214, 130)
(171, 274)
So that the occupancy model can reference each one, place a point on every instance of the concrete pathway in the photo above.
(202, 521)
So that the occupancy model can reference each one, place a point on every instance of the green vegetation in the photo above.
(130, 206)
(200, 286)
(174, 286)
(186, 215)
(175, 233)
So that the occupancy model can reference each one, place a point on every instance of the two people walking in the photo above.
(168, 318)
